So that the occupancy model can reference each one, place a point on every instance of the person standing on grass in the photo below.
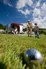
(36, 30)
(29, 28)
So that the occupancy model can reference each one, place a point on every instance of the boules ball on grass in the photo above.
(31, 54)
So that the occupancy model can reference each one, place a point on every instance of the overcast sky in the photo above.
(21, 11)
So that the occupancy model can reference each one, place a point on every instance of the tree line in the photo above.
(2, 27)
(41, 30)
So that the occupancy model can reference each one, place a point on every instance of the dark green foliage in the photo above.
(2, 66)
(42, 31)
(25, 29)
(2, 26)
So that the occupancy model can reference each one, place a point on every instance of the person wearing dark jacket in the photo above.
(36, 30)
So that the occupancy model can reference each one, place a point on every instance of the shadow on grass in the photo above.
(25, 61)
(2, 66)
(32, 64)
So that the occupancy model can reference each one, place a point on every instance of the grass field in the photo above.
(12, 45)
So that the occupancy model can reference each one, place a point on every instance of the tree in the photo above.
(2, 26)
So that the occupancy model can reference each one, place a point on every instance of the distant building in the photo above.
(2, 31)
(17, 26)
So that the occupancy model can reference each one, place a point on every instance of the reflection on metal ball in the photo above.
(29, 55)
(33, 54)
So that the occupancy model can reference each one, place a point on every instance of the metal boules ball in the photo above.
(31, 54)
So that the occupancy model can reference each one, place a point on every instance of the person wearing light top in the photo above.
(29, 28)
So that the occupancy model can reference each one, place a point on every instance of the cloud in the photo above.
(24, 7)
(39, 15)
(23, 3)
(38, 4)
(44, 6)
(41, 22)
(36, 12)
(24, 25)
(7, 2)
(29, 2)
(43, 9)
(26, 12)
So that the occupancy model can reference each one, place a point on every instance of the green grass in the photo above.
(12, 45)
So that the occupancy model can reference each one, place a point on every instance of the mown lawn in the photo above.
(12, 45)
